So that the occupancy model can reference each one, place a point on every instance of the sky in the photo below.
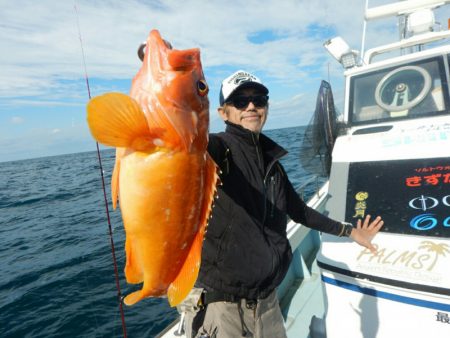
(43, 92)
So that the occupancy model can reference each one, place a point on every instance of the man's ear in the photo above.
(222, 113)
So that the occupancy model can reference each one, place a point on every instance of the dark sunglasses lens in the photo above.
(240, 101)
(243, 101)
(260, 101)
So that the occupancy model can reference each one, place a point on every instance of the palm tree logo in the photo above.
(438, 249)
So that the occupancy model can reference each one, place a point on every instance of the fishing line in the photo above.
(113, 250)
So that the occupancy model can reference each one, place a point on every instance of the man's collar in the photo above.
(270, 147)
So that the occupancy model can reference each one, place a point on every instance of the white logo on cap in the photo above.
(242, 77)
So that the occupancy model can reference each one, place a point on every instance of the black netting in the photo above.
(320, 134)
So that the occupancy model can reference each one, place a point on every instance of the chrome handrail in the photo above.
(312, 180)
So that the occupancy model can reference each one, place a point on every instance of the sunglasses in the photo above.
(241, 101)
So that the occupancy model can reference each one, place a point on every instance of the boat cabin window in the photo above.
(402, 92)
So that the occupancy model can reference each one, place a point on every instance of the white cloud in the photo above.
(42, 63)
(43, 46)
(43, 42)
(17, 120)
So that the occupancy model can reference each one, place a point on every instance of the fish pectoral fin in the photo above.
(133, 298)
(117, 120)
(136, 296)
(185, 280)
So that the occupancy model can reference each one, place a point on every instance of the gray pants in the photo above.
(233, 320)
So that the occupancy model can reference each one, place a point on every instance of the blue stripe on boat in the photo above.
(387, 295)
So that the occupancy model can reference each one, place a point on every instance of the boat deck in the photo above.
(308, 301)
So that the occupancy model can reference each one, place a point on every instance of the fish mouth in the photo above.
(142, 49)
(183, 60)
(177, 60)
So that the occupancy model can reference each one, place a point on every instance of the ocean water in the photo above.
(57, 274)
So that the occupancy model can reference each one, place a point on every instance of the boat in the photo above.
(390, 156)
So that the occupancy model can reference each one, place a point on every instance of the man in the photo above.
(246, 253)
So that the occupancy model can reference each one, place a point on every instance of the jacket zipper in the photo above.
(224, 235)
(261, 167)
(258, 153)
(272, 195)
(266, 174)
(275, 257)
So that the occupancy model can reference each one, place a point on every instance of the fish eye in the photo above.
(141, 51)
(202, 87)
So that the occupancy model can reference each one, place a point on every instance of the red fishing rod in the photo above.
(113, 250)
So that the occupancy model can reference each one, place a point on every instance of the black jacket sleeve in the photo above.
(216, 148)
(299, 212)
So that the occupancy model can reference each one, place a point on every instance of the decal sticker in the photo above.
(431, 134)
(442, 317)
(412, 196)
(360, 205)
(425, 262)
(425, 257)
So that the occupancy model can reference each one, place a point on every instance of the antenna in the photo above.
(402, 7)
(363, 42)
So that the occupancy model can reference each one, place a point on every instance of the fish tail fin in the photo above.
(185, 280)
(117, 120)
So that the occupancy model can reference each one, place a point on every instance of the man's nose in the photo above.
(250, 106)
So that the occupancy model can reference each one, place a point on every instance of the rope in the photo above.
(113, 250)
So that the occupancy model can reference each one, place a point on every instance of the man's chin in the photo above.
(254, 127)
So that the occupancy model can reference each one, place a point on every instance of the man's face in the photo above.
(252, 116)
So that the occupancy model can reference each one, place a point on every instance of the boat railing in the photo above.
(314, 192)
(410, 42)
(310, 187)
(418, 21)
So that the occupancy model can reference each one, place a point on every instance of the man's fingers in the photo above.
(374, 223)
(366, 221)
(372, 249)
(358, 224)
(378, 226)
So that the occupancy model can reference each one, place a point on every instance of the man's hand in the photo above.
(365, 232)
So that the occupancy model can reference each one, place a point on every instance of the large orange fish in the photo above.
(163, 176)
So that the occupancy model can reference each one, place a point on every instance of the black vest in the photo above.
(246, 252)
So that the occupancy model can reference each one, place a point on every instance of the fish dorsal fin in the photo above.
(185, 280)
(117, 120)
